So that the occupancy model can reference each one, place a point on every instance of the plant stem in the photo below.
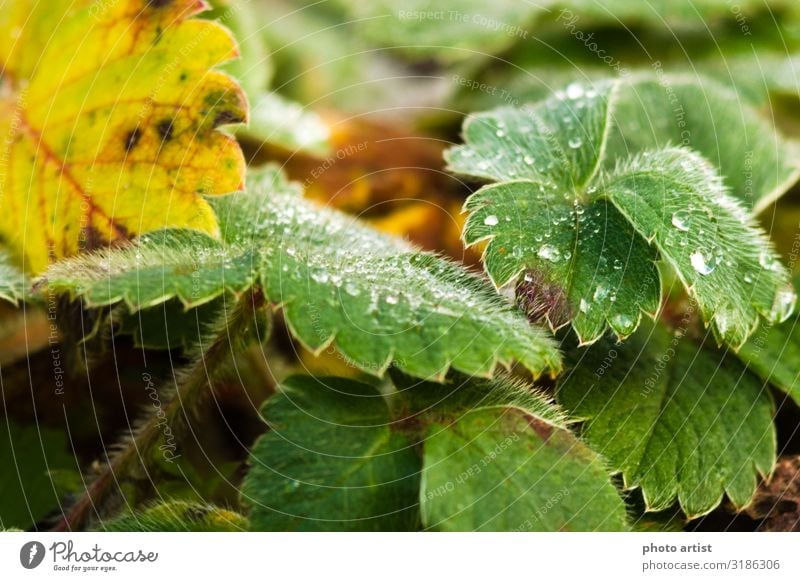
(190, 388)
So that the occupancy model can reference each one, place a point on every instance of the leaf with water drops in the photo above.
(12, 280)
(580, 235)
(572, 254)
(380, 300)
(678, 420)
(675, 198)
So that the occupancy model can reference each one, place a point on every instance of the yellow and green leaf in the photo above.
(108, 117)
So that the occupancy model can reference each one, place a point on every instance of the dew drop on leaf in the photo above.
(681, 220)
(549, 252)
(491, 220)
(702, 264)
(623, 323)
(600, 292)
(574, 91)
(319, 275)
(784, 304)
(575, 142)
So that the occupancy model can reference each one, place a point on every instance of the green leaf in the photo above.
(30, 457)
(379, 299)
(670, 14)
(332, 460)
(178, 517)
(502, 469)
(415, 400)
(182, 264)
(422, 28)
(726, 262)
(677, 419)
(582, 239)
(168, 325)
(773, 352)
(650, 112)
(289, 125)
(12, 279)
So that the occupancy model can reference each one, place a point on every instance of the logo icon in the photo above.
(31, 554)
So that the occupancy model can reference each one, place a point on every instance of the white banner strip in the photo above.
(397, 556)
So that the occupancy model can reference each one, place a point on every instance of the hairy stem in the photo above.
(190, 388)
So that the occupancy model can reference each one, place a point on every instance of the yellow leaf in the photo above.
(109, 112)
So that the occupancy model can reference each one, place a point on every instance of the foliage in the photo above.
(380, 300)
(676, 419)
(590, 248)
(599, 342)
(105, 130)
(477, 455)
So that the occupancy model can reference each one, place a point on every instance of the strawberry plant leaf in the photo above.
(415, 399)
(772, 353)
(422, 28)
(582, 239)
(12, 279)
(331, 461)
(168, 325)
(177, 516)
(757, 165)
(30, 457)
(112, 112)
(378, 298)
(503, 469)
(674, 199)
(669, 109)
(676, 419)
(286, 124)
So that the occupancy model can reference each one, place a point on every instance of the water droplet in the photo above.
(549, 252)
(500, 133)
(352, 289)
(784, 304)
(748, 279)
(623, 323)
(703, 264)
(528, 160)
(392, 300)
(722, 321)
(319, 275)
(491, 220)
(584, 306)
(682, 220)
(600, 292)
(574, 91)
(575, 142)
(766, 260)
